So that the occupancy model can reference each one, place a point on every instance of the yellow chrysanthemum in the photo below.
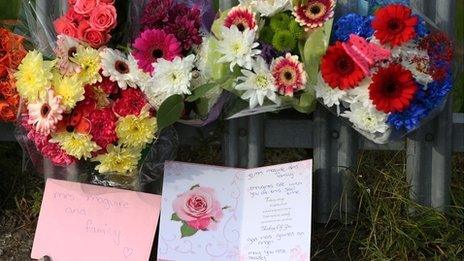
(71, 90)
(33, 76)
(90, 61)
(137, 131)
(78, 145)
(118, 160)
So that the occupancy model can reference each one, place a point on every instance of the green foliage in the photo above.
(170, 111)
(9, 9)
(187, 231)
(295, 28)
(267, 34)
(175, 217)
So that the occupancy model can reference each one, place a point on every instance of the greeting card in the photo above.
(216, 213)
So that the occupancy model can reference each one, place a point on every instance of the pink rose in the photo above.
(65, 26)
(84, 7)
(199, 208)
(73, 16)
(103, 17)
(109, 2)
(95, 38)
(71, 2)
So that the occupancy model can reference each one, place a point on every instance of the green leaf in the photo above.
(307, 103)
(175, 217)
(10, 9)
(201, 91)
(195, 186)
(170, 111)
(187, 231)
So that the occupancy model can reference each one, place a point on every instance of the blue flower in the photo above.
(408, 119)
(352, 24)
(421, 28)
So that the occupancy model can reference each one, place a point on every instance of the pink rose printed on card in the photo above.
(197, 209)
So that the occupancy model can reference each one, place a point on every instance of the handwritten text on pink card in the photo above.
(86, 222)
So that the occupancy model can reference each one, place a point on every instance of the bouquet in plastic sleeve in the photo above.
(170, 47)
(269, 53)
(11, 53)
(386, 73)
(86, 109)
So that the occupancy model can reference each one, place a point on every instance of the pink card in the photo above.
(86, 222)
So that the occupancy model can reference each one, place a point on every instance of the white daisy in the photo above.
(258, 84)
(367, 119)
(238, 48)
(330, 96)
(172, 77)
(120, 69)
(267, 7)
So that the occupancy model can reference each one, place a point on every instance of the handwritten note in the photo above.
(277, 203)
(86, 222)
(265, 213)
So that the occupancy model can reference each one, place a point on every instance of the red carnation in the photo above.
(339, 70)
(131, 102)
(394, 24)
(392, 89)
(103, 124)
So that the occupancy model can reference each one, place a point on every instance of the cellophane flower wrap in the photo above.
(11, 53)
(269, 51)
(85, 107)
(386, 73)
(171, 47)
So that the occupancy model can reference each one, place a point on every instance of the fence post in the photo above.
(335, 153)
(429, 150)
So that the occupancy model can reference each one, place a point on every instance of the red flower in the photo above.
(339, 70)
(103, 129)
(241, 17)
(131, 102)
(392, 89)
(394, 24)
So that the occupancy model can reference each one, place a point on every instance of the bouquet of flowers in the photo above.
(170, 49)
(86, 105)
(271, 50)
(385, 73)
(11, 53)
(90, 21)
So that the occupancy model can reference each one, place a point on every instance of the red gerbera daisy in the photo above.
(314, 13)
(241, 17)
(392, 89)
(289, 74)
(394, 24)
(339, 70)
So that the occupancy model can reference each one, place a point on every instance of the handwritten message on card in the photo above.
(264, 213)
(277, 203)
(86, 222)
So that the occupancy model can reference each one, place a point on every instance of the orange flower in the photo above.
(12, 52)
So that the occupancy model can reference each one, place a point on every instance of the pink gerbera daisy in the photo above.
(314, 13)
(241, 17)
(45, 114)
(153, 45)
(289, 74)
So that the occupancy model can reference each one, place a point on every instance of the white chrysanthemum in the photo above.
(172, 77)
(120, 69)
(238, 48)
(155, 97)
(258, 84)
(367, 119)
(360, 94)
(330, 96)
(267, 7)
